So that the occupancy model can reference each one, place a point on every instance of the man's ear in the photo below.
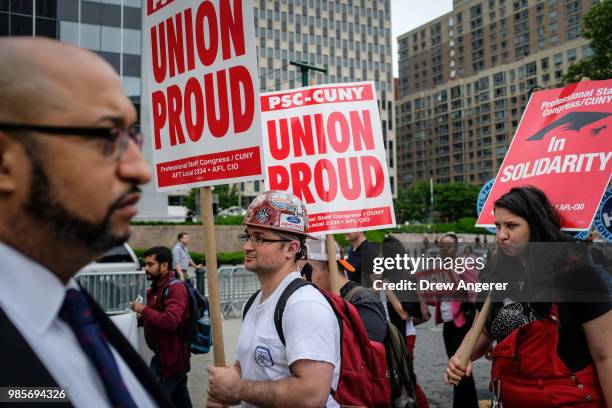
(10, 159)
(293, 247)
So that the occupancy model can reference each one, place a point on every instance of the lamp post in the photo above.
(304, 68)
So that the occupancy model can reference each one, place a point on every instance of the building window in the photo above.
(90, 36)
(131, 41)
(22, 7)
(21, 25)
(111, 39)
(46, 27)
(131, 86)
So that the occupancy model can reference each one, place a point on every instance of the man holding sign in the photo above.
(301, 369)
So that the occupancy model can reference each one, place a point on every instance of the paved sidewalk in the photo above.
(198, 376)
(430, 364)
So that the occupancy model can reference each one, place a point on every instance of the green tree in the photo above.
(190, 200)
(413, 204)
(455, 200)
(401, 207)
(228, 195)
(597, 28)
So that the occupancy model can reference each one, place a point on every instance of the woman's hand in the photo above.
(456, 371)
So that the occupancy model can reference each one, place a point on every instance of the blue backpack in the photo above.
(198, 333)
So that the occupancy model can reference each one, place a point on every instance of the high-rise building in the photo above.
(464, 80)
(351, 38)
(111, 28)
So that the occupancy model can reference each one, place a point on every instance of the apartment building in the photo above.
(464, 80)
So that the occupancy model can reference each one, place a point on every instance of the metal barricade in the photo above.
(236, 285)
(114, 290)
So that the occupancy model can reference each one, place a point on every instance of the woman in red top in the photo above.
(553, 329)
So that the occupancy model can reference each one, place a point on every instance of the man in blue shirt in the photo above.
(182, 259)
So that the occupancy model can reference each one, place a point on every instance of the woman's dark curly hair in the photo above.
(540, 261)
(531, 203)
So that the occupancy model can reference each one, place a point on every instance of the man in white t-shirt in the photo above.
(304, 370)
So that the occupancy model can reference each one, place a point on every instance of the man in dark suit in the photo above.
(70, 167)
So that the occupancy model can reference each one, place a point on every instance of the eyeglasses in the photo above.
(256, 240)
(115, 140)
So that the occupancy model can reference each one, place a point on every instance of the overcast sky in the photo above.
(409, 14)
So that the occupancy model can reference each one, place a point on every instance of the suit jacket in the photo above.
(21, 367)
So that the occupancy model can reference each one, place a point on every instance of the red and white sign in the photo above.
(200, 92)
(324, 144)
(561, 146)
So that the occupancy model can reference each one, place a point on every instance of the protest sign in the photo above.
(482, 198)
(201, 107)
(325, 145)
(603, 218)
(200, 92)
(561, 146)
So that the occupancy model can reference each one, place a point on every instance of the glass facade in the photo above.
(111, 28)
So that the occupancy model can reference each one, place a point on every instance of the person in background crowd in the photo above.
(549, 352)
(166, 321)
(181, 256)
(457, 316)
(70, 170)
(468, 252)
(369, 306)
(407, 314)
(305, 370)
(361, 255)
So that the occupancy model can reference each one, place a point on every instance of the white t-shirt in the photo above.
(311, 333)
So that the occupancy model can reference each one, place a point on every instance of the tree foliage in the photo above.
(190, 200)
(228, 195)
(413, 203)
(456, 200)
(597, 28)
(451, 202)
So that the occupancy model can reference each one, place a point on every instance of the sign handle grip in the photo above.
(333, 265)
(474, 334)
(210, 251)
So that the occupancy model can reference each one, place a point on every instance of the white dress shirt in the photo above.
(31, 296)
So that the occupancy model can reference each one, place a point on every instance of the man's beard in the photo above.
(43, 206)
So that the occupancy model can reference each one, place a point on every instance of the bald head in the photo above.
(43, 81)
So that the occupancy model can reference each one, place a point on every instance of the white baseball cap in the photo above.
(317, 251)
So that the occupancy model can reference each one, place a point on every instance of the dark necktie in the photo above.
(76, 312)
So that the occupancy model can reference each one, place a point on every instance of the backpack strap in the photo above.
(173, 281)
(349, 295)
(280, 305)
(282, 302)
(249, 303)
